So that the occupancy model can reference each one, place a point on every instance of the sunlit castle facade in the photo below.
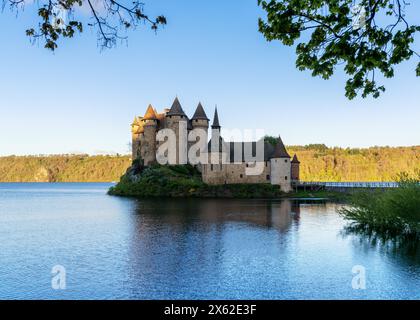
(221, 162)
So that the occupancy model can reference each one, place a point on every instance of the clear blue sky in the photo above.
(82, 100)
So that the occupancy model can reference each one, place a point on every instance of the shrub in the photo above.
(390, 212)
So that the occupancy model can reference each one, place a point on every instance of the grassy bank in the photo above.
(389, 213)
(185, 181)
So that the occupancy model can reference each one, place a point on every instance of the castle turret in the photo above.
(295, 164)
(136, 135)
(216, 141)
(148, 145)
(200, 124)
(216, 124)
(281, 167)
(177, 120)
(199, 119)
(215, 171)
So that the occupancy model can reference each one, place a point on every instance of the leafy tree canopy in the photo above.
(365, 36)
(63, 18)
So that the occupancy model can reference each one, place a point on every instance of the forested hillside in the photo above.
(318, 163)
(63, 168)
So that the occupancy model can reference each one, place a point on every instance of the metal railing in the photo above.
(358, 184)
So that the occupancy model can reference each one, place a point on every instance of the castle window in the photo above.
(211, 167)
(247, 165)
(285, 160)
(268, 177)
(285, 177)
(241, 176)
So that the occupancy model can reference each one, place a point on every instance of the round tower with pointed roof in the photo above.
(199, 119)
(295, 164)
(148, 145)
(281, 167)
(177, 121)
(137, 131)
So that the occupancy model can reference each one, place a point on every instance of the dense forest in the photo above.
(318, 163)
(63, 168)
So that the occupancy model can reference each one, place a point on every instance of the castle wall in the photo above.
(237, 173)
(135, 146)
(234, 173)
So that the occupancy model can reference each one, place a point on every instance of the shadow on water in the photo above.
(278, 215)
(403, 248)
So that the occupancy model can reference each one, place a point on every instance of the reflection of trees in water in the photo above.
(403, 248)
(187, 238)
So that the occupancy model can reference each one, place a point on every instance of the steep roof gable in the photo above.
(280, 150)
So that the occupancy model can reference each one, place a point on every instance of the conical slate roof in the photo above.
(216, 124)
(150, 113)
(295, 159)
(176, 109)
(280, 150)
(200, 114)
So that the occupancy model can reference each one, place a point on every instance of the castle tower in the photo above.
(215, 128)
(215, 171)
(177, 120)
(199, 119)
(216, 124)
(295, 164)
(148, 145)
(281, 167)
(136, 133)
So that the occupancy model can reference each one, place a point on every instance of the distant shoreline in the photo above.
(318, 163)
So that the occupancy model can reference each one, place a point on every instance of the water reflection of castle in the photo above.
(270, 214)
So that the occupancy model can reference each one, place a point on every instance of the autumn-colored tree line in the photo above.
(317, 163)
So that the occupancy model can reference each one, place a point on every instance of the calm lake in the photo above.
(117, 248)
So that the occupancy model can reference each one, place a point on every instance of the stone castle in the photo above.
(225, 164)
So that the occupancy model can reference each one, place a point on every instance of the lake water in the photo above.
(117, 248)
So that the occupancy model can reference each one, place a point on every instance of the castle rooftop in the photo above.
(280, 150)
(176, 109)
(150, 113)
(200, 114)
(216, 124)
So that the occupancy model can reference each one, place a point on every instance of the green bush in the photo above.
(185, 181)
(390, 212)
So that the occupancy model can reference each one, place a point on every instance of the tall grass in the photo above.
(389, 213)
